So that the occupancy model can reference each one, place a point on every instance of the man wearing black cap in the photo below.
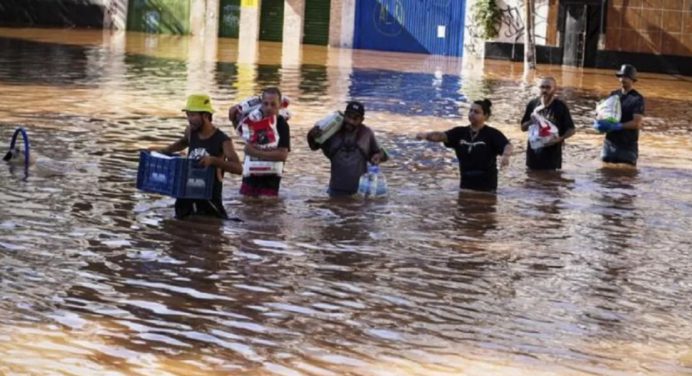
(621, 144)
(349, 150)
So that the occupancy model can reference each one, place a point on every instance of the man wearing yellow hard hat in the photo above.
(211, 147)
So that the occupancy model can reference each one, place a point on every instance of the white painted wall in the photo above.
(114, 14)
(512, 29)
(342, 23)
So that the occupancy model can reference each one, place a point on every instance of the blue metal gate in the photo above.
(422, 26)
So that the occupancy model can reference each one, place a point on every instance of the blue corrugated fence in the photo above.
(422, 26)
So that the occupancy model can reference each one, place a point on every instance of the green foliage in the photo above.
(487, 17)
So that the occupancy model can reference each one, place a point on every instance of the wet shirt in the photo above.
(268, 185)
(198, 148)
(550, 157)
(477, 154)
(622, 146)
(349, 153)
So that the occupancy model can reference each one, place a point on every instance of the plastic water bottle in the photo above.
(372, 183)
(249, 104)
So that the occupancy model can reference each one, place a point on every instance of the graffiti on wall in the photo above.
(115, 14)
(473, 42)
(512, 24)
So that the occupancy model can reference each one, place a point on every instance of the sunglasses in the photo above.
(545, 87)
(270, 104)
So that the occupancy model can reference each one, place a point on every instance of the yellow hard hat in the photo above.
(199, 103)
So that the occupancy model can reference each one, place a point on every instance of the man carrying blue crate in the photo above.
(211, 147)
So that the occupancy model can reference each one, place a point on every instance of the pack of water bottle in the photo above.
(372, 183)
(251, 107)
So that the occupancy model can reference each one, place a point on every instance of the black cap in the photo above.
(356, 107)
(628, 71)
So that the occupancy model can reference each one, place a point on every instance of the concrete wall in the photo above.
(342, 23)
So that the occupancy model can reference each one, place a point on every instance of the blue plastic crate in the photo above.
(175, 176)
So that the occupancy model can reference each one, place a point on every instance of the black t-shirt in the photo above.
(548, 158)
(272, 182)
(622, 145)
(197, 148)
(477, 154)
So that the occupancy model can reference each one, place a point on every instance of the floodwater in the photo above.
(585, 272)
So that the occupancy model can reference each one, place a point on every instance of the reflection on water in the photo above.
(585, 271)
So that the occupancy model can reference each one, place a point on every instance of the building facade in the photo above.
(655, 35)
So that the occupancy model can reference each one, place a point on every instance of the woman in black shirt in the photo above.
(477, 147)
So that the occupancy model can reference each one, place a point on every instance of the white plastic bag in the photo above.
(259, 131)
(609, 109)
(542, 133)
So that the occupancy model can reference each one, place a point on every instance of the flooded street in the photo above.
(583, 272)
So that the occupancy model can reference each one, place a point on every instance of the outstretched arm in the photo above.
(175, 147)
(432, 136)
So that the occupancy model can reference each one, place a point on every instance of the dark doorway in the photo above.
(582, 27)
(272, 20)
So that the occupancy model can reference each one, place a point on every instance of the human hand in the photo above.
(315, 132)
(250, 150)
(601, 126)
(504, 162)
(208, 160)
(535, 117)
(233, 113)
(376, 158)
(554, 141)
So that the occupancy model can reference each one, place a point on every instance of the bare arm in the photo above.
(570, 132)
(231, 162)
(175, 147)
(635, 123)
(277, 155)
(432, 136)
(506, 153)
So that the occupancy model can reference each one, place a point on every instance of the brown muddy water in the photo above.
(585, 272)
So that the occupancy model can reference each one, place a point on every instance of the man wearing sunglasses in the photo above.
(349, 150)
(268, 185)
(556, 111)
